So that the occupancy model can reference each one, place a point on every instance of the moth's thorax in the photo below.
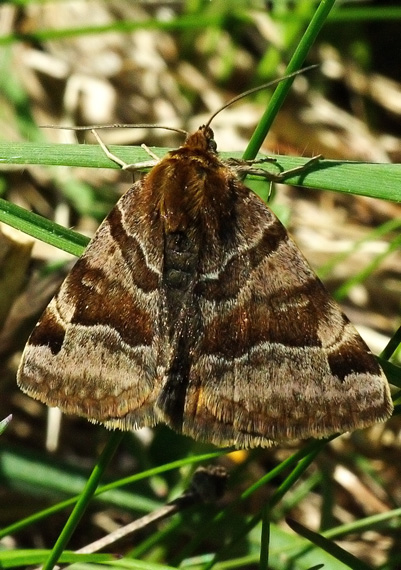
(190, 182)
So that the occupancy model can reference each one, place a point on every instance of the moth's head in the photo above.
(202, 139)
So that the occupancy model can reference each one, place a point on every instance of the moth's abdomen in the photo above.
(180, 260)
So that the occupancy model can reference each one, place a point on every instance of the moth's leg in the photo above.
(150, 153)
(240, 164)
(131, 167)
(300, 169)
(244, 167)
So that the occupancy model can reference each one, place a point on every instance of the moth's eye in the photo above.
(212, 145)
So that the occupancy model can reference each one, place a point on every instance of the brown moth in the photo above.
(192, 306)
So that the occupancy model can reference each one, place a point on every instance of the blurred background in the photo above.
(174, 63)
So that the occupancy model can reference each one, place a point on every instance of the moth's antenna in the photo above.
(116, 126)
(256, 89)
(174, 129)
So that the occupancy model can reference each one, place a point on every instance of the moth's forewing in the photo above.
(96, 349)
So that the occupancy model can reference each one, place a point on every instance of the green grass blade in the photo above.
(83, 501)
(393, 344)
(359, 178)
(191, 22)
(377, 233)
(336, 551)
(363, 14)
(372, 522)
(90, 155)
(4, 423)
(281, 91)
(23, 557)
(42, 228)
(265, 539)
(343, 291)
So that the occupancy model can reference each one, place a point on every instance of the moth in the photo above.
(193, 307)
